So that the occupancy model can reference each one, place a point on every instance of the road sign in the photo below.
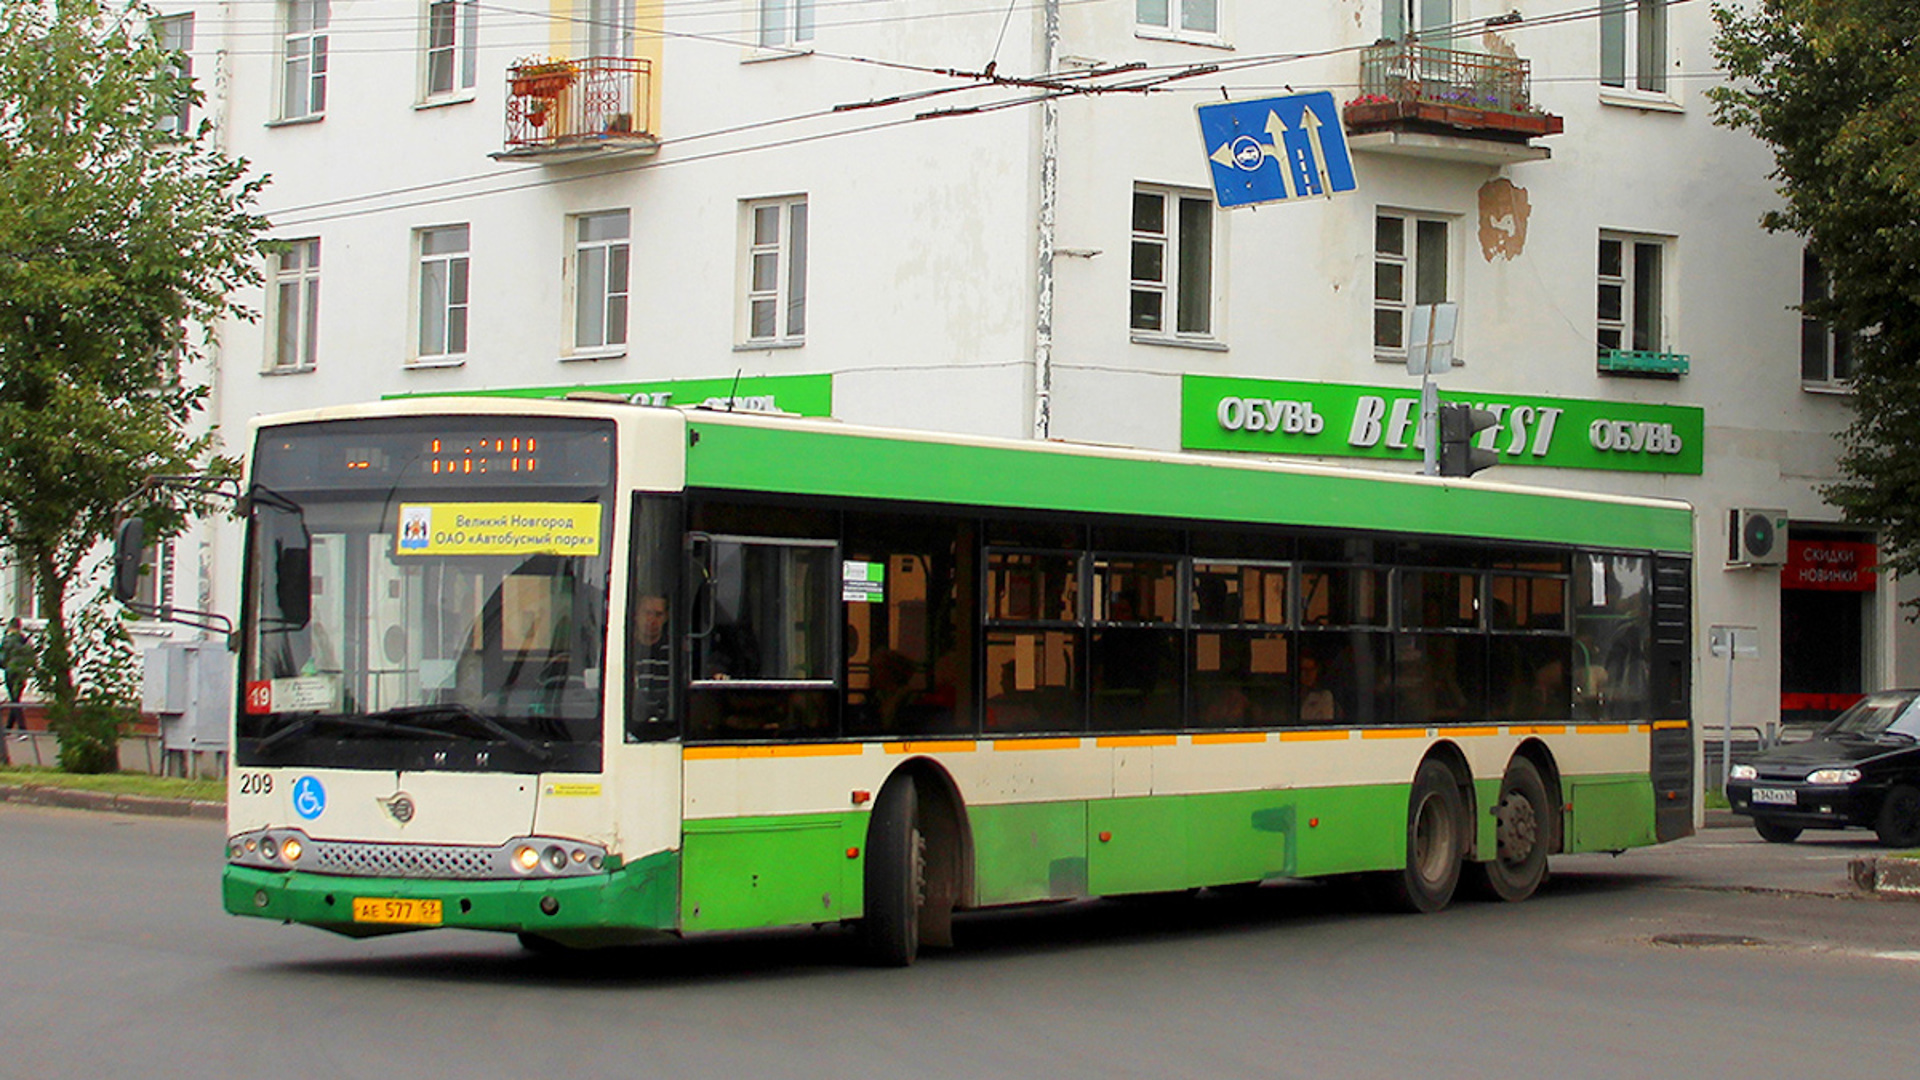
(1275, 149)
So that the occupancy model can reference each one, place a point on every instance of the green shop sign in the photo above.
(802, 395)
(1267, 416)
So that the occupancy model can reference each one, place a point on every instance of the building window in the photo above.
(1405, 246)
(443, 293)
(1826, 355)
(600, 281)
(785, 23)
(1631, 294)
(1199, 18)
(453, 28)
(776, 271)
(293, 317)
(26, 593)
(1633, 44)
(1172, 262)
(303, 71)
(174, 34)
(610, 28)
(1430, 20)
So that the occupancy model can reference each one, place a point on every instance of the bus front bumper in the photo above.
(630, 903)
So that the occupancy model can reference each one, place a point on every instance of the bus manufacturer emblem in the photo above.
(399, 807)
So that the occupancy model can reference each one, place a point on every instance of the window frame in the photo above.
(1175, 27)
(458, 271)
(1177, 261)
(608, 29)
(303, 278)
(1636, 49)
(174, 33)
(1634, 295)
(1413, 260)
(787, 253)
(460, 50)
(578, 259)
(797, 25)
(1821, 345)
(309, 66)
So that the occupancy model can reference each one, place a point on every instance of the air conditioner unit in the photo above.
(1756, 537)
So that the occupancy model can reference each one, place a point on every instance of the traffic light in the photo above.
(1459, 424)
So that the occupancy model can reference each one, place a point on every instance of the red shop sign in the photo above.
(1831, 565)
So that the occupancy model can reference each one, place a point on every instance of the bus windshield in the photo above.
(427, 600)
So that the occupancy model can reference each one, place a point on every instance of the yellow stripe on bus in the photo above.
(1217, 738)
(943, 746)
(1468, 732)
(1314, 736)
(1137, 740)
(1037, 744)
(1669, 725)
(1394, 733)
(1605, 729)
(735, 753)
(1537, 729)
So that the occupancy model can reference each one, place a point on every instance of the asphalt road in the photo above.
(1720, 956)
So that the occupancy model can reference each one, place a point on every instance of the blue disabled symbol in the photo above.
(309, 798)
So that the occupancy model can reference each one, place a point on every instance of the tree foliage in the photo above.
(1834, 87)
(121, 244)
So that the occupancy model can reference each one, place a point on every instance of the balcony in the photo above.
(1425, 101)
(567, 110)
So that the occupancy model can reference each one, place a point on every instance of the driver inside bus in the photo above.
(650, 659)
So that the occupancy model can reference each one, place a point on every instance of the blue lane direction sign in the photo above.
(1275, 149)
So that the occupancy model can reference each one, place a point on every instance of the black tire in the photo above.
(1899, 822)
(1775, 833)
(896, 877)
(1436, 843)
(1523, 837)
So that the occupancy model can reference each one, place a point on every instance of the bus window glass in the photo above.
(1137, 644)
(1613, 636)
(1034, 681)
(1439, 600)
(1240, 663)
(765, 661)
(1536, 674)
(910, 601)
(655, 620)
(1345, 677)
(1528, 603)
(1025, 586)
(1343, 596)
(1439, 677)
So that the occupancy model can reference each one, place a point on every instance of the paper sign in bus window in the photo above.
(499, 529)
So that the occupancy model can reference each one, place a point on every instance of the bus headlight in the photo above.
(526, 858)
(1743, 772)
(1833, 776)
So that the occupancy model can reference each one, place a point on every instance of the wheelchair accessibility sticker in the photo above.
(309, 798)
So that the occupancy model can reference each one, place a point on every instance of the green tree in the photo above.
(120, 245)
(1834, 87)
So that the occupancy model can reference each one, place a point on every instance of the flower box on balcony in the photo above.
(1378, 115)
(541, 80)
(1629, 362)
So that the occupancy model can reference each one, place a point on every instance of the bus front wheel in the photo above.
(1436, 843)
(895, 878)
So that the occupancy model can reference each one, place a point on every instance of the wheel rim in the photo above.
(1432, 841)
(1517, 829)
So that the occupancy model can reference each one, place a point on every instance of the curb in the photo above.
(148, 805)
(1886, 875)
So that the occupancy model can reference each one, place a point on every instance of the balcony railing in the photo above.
(599, 103)
(1446, 91)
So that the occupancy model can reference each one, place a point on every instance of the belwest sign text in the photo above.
(1266, 416)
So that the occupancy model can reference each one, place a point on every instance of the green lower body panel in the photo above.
(636, 899)
(743, 873)
(1349, 829)
(1610, 813)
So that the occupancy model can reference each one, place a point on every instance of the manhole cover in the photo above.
(1705, 941)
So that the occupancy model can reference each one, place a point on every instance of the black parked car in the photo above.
(1862, 770)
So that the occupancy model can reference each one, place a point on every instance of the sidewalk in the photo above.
(73, 799)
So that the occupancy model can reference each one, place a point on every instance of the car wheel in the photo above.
(1775, 833)
(1899, 820)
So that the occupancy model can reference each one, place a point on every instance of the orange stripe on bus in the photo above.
(1538, 729)
(1395, 733)
(1217, 738)
(1314, 736)
(1470, 731)
(1606, 729)
(735, 753)
(1137, 740)
(1037, 744)
(1669, 725)
(948, 746)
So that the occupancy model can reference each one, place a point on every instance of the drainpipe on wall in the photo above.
(1049, 191)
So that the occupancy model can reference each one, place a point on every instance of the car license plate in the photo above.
(387, 909)
(1773, 796)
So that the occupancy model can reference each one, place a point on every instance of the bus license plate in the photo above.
(1773, 796)
(387, 909)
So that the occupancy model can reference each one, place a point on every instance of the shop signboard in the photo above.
(801, 395)
(1270, 416)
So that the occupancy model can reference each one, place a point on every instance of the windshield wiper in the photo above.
(1880, 735)
(357, 723)
(427, 718)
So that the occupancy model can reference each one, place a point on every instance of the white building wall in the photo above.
(922, 266)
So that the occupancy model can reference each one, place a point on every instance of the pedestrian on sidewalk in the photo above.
(16, 659)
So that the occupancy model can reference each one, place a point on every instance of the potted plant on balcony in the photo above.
(541, 78)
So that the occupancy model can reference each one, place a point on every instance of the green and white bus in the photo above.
(595, 673)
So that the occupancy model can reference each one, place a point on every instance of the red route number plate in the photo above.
(384, 909)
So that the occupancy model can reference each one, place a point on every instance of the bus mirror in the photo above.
(293, 585)
(129, 543)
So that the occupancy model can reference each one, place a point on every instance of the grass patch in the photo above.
(164, 787)
(1717, 800)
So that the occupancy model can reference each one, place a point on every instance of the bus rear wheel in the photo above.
(1522, 833)
(895, 877)
(1436, 843)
